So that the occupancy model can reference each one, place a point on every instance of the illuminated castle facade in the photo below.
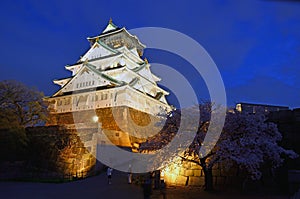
(109, 82)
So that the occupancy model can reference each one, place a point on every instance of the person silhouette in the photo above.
(109, 174)
(129, 175)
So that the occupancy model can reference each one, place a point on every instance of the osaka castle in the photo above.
(112, 85)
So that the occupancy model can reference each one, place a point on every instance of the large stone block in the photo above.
(195, 166)
(170, 179)
(182, 171)
(196, 181)
(197, 173)
(181, 180)
(189, 172)
(187, 165)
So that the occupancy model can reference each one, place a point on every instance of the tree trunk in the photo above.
(208, 179)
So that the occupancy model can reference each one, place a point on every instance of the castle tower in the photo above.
(109, 84)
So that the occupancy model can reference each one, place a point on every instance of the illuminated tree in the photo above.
(20, 106)
(247, 140)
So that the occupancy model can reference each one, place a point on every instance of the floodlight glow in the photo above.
(95, 118)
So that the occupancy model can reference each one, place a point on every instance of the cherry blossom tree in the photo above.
(247, 140)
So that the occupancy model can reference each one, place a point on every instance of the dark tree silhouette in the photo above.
(20, 106)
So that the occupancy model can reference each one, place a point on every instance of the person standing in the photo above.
(109, 173)
(129, 175)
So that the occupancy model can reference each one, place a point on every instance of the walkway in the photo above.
(97, 187)
(93, 187)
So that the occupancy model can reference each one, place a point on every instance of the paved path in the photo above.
(97, 187)
(194, 193)
(93, 187)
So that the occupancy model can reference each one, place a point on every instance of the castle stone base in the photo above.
(115, 123)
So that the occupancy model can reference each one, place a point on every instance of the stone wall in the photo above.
(62, 150)
(186, 173)
(115, 123)
(288, 123)
(183, 174)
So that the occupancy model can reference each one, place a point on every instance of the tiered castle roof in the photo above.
(113, 60)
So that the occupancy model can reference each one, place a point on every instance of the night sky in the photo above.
(254, 43)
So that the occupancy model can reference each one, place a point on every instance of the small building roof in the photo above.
(263, 105)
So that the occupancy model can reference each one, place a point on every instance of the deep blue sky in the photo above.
(254, 43)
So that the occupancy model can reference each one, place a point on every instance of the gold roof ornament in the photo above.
(96, 46)
(110, 26)
(146, 60)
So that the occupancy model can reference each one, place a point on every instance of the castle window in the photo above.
(104, 96)
(67, 101)
(83, 98)
(59, 102)
(74, 100)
